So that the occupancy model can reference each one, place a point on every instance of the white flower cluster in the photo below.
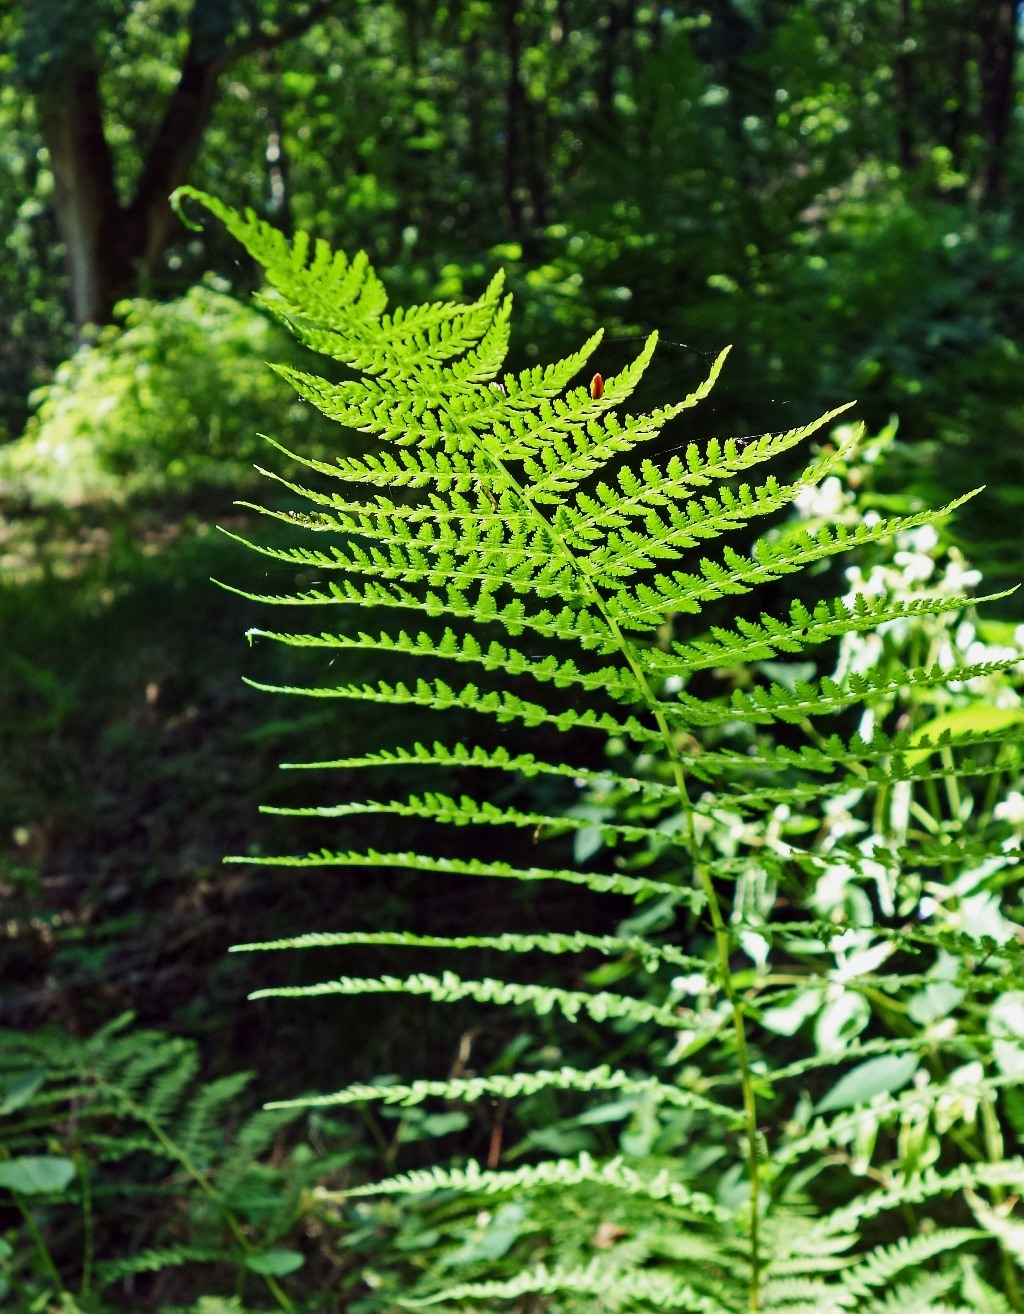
(948, 641)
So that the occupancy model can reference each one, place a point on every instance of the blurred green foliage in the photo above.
(149, 410)
(790, 180)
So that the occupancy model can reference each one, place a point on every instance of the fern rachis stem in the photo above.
(719, 927)
(994, 1149)
(952, 784)
(176, 1152)
(40, 1244)
(82, 1163)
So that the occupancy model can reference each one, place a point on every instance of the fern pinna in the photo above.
(509, 532)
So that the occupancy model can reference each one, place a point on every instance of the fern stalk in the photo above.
(82, 1164)
(39, 1242)
(995, 1153)
(578, 566)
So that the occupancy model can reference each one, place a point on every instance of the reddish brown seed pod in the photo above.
(597, 387)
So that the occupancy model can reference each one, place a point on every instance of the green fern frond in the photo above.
(810, 699)
(883, 1263)
(801, 1296)
(927, 1186)
(835, 753)
(984, 1299)
(753, 641)
(466, 811)
(450, 988)
(200, 1134)
(919, 1296)
(498, 1086)
(591, 516)
(520, 513)
(503, 705)
(552, 942)
(639, 887)
(500, 759)
(552, 1174)
(155, 1077)
(739, 573)
(621, 685)
(824, 1133)
(337, 304)
(568, 624)
(617, 1289)
(147, 1139)
(155, 1261)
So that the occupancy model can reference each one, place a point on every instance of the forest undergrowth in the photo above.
(806, 1032)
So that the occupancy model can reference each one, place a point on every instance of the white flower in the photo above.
(925, 538)
(1011, 809)
(826, 500)
(957, 579)
(914, 566)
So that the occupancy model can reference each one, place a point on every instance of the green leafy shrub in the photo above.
(810, 1023)
(171, 399)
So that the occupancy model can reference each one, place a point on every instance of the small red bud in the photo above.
(597, 387)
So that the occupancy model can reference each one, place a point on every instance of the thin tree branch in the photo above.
(178, 138)
(258, 41)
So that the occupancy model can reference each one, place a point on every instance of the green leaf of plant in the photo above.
(880, 1076)
(978, 718)
(36, 1174)
(275, 1263)
(21, 1089)
(793, 1010)
(1005, 1024)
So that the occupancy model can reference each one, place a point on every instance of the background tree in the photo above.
(115, 222)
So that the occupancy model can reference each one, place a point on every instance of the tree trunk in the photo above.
(903, 70)
(149, 218)
(111, 250)
(85, 196)
(114, 248)
(514, 96)
(998, 26)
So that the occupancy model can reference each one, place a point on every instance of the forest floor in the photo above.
(133, 758)
(129, 759)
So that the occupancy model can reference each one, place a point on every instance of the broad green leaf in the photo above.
(879, 1076)
(1009, 1231)
(785, 1019)
(18, 1093)
(493, 1238)
(441, 1124)
(1005, 1024)
(275, 1263)
(979, 718)
(983, 1298)
(36, 1174)
(842, 1019)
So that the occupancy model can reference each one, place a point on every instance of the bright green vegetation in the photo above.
(106, 429)
(833, 190)
(783, 870)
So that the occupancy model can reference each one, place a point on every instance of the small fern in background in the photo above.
(813, 1036)
(132, 1178)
